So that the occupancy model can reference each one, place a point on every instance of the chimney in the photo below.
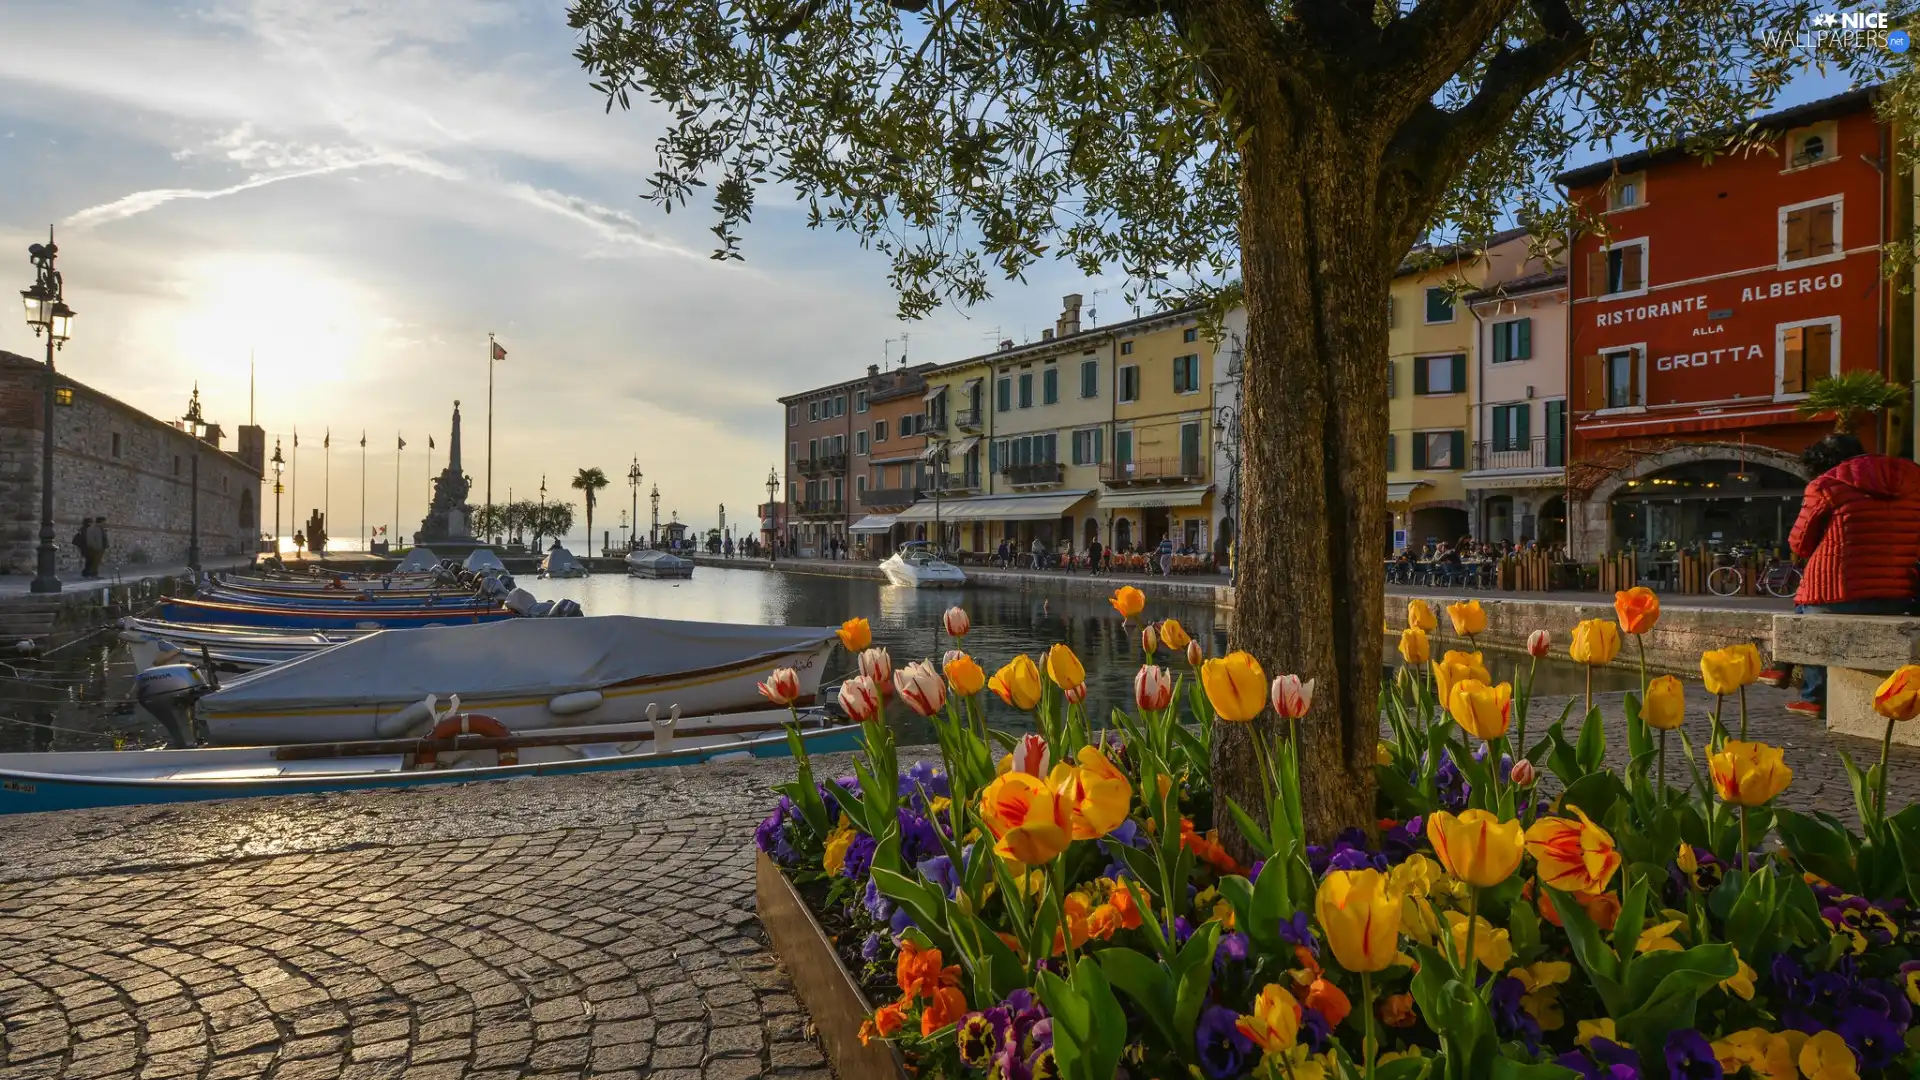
(1069, 315)
(1046, 335)
(1005, 344)
(873, 371)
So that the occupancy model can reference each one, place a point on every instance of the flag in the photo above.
(429, 442)
(403, 442)
(296, 438)
(363, 440)
(498, 352)
(326, 441)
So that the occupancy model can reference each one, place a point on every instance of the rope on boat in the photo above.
(115, 736)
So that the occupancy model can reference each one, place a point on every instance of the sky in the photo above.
(350, 195)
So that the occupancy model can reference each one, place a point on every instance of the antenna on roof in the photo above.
(903, 349)
(1093, 312)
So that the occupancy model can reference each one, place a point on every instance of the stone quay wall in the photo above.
(1673, 645)
(112, 459)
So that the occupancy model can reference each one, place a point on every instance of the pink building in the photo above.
(1516, 478)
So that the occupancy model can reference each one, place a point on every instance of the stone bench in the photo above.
(1859, 652)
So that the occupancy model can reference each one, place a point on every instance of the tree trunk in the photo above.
(1316, 254)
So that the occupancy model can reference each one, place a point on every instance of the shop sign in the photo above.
(1706, 357)
(1791, 287)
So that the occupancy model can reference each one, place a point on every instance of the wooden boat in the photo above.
(66, 781)
(343, 601)
(530, 674)
(651, 563)
(230, 649)
(230, 613)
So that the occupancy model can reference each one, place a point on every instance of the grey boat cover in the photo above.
(418, 559)
(660, 559)
(560, 561)
(534, 657)
(483, 559)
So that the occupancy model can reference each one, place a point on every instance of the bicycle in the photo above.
(1778, 578)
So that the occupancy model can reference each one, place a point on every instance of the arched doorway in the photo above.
(1123, 534)
(1091, 533)
(1497, 519)
(1438, 525)
(1551, 524)
(1718, 504)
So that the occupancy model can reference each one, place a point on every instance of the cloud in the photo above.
(617, 226)
(142, 201)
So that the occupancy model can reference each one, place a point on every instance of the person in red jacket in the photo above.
(1859, 531)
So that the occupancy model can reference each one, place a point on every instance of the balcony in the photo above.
(825, 463)
(930, 422)
(1046, 472)
(1156, 470)
(873, 497)
(1513, 455)
(969, 420)
(821, 508)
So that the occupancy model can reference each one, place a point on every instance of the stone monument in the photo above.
(445, 529)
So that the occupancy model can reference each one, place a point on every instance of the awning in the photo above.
(996, 507)
(873, 523)
(932, 451)
(1637, 426)
(960, 448)
(934, 393)
(973, 382)
(1168, 497)
(903, 459)
(1517, 479)
(1399, 493)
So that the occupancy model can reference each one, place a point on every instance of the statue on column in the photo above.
(447, 518)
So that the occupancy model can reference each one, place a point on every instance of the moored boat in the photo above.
(652, 563)
(561, 563)
(915, 566)
(324, 618)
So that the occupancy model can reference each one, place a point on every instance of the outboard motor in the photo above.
(493, 589)
(566, 609)
(541, 610)
(520, 602)
(168, 693)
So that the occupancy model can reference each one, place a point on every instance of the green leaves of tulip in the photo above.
(1170, 995)
(1089, 1028)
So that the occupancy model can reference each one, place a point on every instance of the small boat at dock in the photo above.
(652, 563)
(915, 566)
(561, 563)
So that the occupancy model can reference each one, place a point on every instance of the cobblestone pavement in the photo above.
(570, 926)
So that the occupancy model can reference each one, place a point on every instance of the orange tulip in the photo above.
(964, 675)
(1573, 856)
(1128, 601)
(1173, 635)
(1638, 609)
(855, 635)
(1898, 698)
(1329, 1001)
(1031, 823)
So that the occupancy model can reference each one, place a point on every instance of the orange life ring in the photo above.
(470, 724)
(335, 584)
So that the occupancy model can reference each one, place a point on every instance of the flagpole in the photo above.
(296, 492)
(396, 483)
(490, 362)
(366, 539)
(326, 493)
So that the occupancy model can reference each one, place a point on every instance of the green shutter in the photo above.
(1419, 376)
(1099, 437)
(1556, 432)
(1500, 343)
(1392, 445)
(1419, 450)
(1459, 449)
(1459, 373)
(1522, 436)
(1502, 428)
(1525, 347)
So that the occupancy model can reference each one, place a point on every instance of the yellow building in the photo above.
(1156, 481)
(1430, 363)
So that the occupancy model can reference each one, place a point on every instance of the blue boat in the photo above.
(31, 783)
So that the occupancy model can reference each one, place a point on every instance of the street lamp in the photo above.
(196, 426)
(653, 536)
(773, 519)
(633, 481)
(279, 465)
(46, 310)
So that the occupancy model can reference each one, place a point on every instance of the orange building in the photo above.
(1718, 295)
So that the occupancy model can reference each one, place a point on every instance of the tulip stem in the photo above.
(1059, 877)
(1533, 668)
(1366, 992)
(1589, 693)
(1880, 796)
(1743, 712)
(1663, 765)
(1744, 864)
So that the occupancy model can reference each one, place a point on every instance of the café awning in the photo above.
(1399, 493)
(1168, 497)
(996, 507)
(932, 451)
(873, 523)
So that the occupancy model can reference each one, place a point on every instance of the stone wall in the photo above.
(1674, 644)
(112, 459)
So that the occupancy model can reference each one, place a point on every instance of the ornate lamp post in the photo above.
(653, 537)
(47, 311)
(773, 518)
(633, 481)
(197, 427)
(1227, 425)
(279, 464)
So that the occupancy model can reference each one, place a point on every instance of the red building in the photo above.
(1718, 294)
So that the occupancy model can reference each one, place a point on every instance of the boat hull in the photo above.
(909, 576)
(225, 614)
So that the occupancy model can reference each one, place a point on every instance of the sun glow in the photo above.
(292, 317)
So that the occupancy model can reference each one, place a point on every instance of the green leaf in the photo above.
(926, 902)
(1509, 1069)
(1193, 970)
(1406, 1068)
(1594, 793)
(1591, 950)
(1149, 983)
(1250, 829)
(1632, 919)
(1454, 1011)
(1073, 1038)
(1821, 847)
(1592, 749)
(1109, 1035)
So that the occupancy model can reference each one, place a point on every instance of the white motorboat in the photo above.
(658, 564)
(481, 560)
(915, 566)
(420, 560)
(561, 563)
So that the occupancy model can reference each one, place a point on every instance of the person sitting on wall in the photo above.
(1859, 530)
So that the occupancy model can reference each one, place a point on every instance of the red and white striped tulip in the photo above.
(1149, 639)
(957, 622)
(782, 687)
(1030, 756)
(1076, 694)
(1522, 774)
(1195, 654)
(922, 687)
(1538, 643)
(877, 665)
(1292, 698)
(1152, 688)
(860, 699)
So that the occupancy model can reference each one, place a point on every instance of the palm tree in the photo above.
(589, 480)
(1851, 397)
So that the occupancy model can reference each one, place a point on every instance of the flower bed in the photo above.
(1070, 910)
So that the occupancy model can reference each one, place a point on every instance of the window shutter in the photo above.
(1459, 383)
(1636, 394)
(1459, 458)
(1502, 427)
(1392, 445)
(1523, 417)
(1632, 268)
(1419, 450)
(1593, 386)
(1099, 437)
(1799, 227)
(1819, 341)
(1393, 378)
(1556, 432)
(993, 457)
(1821, 238)
(1524, 351)
(1419, 375)
(1500, 343)
(1597, 273)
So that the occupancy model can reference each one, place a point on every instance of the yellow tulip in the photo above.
(1484, 711)
(1236, 686)
(964, 675)
(1492, 946)
(1727, 670)
(1454, 667)
(1018, 683)
(1128, 601)
(1420, 616)
(1096, 794)
(1573, 856)
(1274, 1023)
(1413, 646)
(1638, 609)
(1064, 668)
(1360, 917)
(1749, 773)
(855, 635)
(1666, 705)
(1468, 617)
(1030, 822)
(1595, 642)
(1477, 847)
(1899, 697)
(1173, 635)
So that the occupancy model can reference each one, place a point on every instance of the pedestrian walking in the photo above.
(80, 541)
(1859, 530)
(93, 546)
(1093, 555)
(1166, 555)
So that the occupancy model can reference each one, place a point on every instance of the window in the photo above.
(839, 446)
(1050, 386)
(1808, 352)
(813, 449)
(1439, 305)
(860, 401)
(860, 442)
(911, 424)
(1123, 450)
(1190, 449)
(793, 415)
(1810, 232)
(793, 451)
(1618, 268)
(1393, 378)
(1626, 192)
(1512, 340)
(1003, 394)
(1129, 383)
(1433, 450)
(1089, 378)
(1024, 450)
(813, 411)
(1026, 389)
(879, 431)
(840, 405)
(1615, 379)
(116, 444)
(1126, 348)
(1812, 145)
(1510, 427)
(1392, 452)
(1433, 375)
(1186, 374)
(1191, 335)
(1087, 446)
(1556, 434)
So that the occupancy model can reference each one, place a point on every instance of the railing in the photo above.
(1154, 470)
(1049, 472)
(823, 463)
(968, 418)
(821, 507)
(934, 422)
(959, 484)
(1536, 453)
(888, 496)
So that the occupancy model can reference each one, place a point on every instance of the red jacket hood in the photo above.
(1876, 475)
